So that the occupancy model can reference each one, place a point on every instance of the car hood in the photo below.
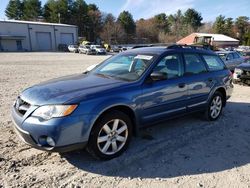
(244, 66)
(68, 88)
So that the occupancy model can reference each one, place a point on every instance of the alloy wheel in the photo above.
(215, 107)
(112, 136)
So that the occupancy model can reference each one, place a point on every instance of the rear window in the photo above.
(213, 62)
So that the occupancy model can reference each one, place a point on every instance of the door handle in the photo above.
(181, 85)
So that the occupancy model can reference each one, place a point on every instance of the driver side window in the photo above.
(171, 65)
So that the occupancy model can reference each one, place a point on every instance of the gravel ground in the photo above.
(185, 152)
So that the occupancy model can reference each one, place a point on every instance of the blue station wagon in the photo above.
(101, 109)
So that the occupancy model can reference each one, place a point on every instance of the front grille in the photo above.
(21, 106)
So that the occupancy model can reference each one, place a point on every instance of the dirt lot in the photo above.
(187, 152)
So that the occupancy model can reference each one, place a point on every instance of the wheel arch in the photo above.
(122, 108)
(222, 90)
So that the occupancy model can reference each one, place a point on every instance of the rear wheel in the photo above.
(215, 107)
(110, 136)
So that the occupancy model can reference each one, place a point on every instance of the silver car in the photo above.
(73, 48)
(85, 49)
(231, 58)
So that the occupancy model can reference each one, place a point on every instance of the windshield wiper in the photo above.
(103, 75)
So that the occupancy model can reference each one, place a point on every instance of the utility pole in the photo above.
(59, 17)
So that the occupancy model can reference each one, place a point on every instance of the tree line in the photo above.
(93, 24)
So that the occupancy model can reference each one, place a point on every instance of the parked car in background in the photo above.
(115, 49)
(231, 58)
(63, 48)
(85, 49)
(246, 55)
(73, 48)
(122, 48)
(99, 49)
(242, 73)
(102, 108)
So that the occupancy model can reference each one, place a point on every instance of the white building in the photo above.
(217, 40)
(35, 36)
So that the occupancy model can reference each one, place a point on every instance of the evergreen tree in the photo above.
(31, 10)
(243, 27)
(14, 10)
(50, 12)
(192, 19)
(229, 24)
(162, 22)
(219, 25)
(79, 17)
(95, 22)
(127, 22)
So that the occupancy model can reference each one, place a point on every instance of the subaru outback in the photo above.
(101, 109)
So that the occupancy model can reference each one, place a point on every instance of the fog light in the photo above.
(50, 141)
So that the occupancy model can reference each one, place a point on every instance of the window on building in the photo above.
(19, 45)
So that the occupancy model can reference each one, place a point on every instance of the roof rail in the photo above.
(197, 47)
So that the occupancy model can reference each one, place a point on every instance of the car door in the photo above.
(164, 98)
(199, 81)
(238, 59)
(230, 61)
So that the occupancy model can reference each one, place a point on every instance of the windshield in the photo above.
(128, 67)
(98, 47)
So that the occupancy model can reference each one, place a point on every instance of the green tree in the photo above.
(14, 10)
(95, 22)
(177, 25)
(127, 22)
(242, 27)
(161, 22)
(63, 10)
(31, 10)
(192, 19)
(93, 7)
(50, 12)
(229, 24)
(79, 17)
(57, 11)
(219, 25)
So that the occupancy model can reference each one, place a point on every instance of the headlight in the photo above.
(53, 111)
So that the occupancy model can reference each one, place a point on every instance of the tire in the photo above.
(110, 136)
(214, 107)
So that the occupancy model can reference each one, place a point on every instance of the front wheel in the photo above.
(110, 135)
(215, 107)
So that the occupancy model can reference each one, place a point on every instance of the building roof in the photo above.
(188, 39)
(37, 23)
(215, 37)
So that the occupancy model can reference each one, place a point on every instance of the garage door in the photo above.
(44, 41)
(67, 38)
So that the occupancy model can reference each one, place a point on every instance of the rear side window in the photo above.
(213, 62)
(236, 55)
(230, 56)
(194, 64)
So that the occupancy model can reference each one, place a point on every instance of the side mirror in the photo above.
(156, 76)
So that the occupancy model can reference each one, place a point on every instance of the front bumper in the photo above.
(69, 133)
